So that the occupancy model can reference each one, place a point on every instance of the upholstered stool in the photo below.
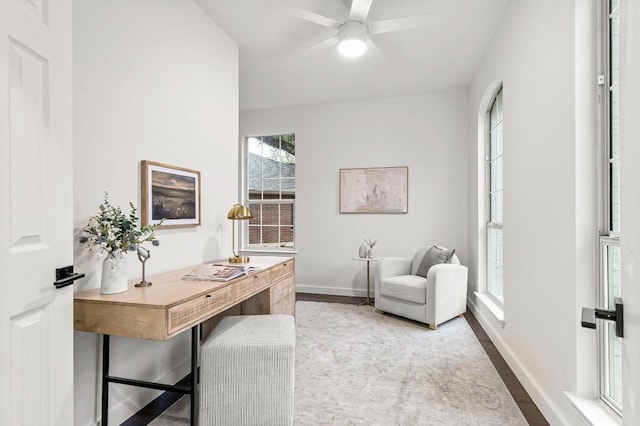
(247, 371)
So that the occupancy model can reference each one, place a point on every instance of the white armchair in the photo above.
(439, 297)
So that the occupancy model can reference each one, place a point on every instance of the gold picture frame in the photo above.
(170, 195)
(374, 190)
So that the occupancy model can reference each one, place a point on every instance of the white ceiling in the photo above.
(279, 67)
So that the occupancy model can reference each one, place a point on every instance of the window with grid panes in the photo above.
(270, 192)
(609, 346)
(494, 197)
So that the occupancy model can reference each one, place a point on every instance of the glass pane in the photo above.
(271, 188)
(254, 145)
(615, 196)
(496, 142)
(615, 124)
(496, 207)
(496, 175)
(256, 209)
(614, 47)
(499, 106)
(495, 263)
(615, 365)
(286, 214)
(493, 115)
(271, 214)
(270, 236)
(286, 236)
(254, 235)
(271, 165)
(613, 274)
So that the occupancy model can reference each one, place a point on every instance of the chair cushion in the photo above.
(434, 256)
(411, 288)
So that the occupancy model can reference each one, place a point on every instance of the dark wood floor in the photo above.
(531, 413)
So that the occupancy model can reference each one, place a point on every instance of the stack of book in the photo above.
(218, 272)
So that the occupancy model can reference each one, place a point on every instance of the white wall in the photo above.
(426, 133)
(543, 54)
(153, 80)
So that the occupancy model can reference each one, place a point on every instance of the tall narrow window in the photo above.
(609, 346)
(495, 160)
(271, 191)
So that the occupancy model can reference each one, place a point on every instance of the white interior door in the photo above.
(630, 207)
(36, 212)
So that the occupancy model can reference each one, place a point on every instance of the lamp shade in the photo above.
(239, 212)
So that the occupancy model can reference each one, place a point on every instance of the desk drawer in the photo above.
(251, 284)
(282, 269)
(190, 312)
(284, 289)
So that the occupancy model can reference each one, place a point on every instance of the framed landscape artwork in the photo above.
(170, 194)
(374, 190)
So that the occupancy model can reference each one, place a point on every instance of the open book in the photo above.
(218, 272)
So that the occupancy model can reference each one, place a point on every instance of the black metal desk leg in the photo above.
(195, 346)
(105, 380)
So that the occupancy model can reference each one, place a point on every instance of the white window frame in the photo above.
(489, 224)
(608, 237)
(244, 182)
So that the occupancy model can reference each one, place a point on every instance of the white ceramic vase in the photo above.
(363, 251)
(370, 253)
(114, 275)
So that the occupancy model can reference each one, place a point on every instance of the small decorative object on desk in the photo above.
(114, 233)
(363, 251)
(143, 256)
(218, 272)
(370, 243)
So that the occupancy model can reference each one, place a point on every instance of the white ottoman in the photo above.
(247, 371)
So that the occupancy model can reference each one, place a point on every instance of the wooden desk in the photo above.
(172, 305)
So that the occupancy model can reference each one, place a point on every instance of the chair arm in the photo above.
(446, 292)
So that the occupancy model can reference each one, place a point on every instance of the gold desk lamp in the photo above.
(238, 212)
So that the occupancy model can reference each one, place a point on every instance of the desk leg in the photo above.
(195, 348)
(105, 380)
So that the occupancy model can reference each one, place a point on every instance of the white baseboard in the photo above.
(333, 291)
(139, 397)
(547, 406)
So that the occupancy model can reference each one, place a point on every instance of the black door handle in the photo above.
(589, 316)
(65, 276)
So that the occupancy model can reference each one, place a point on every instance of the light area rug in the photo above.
(357, 366)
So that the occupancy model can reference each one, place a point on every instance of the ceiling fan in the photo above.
(353, 34)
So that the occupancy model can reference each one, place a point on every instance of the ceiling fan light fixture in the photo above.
(353, 39)
(352, 47)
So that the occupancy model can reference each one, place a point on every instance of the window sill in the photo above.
(592, 411)
(491, 306)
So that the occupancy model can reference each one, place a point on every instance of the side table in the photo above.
(368, 260)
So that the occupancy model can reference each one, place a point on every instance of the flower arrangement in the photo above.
(113, 232)
(370, 242)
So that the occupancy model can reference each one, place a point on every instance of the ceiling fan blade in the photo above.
(307, 15)
(374, 52)
(359, 10)
(326, 44)
(400, 24)
(310, 49)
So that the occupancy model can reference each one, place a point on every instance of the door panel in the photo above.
(36, 235)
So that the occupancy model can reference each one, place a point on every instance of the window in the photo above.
(495, 158)
(271, 191)
(609, 346)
